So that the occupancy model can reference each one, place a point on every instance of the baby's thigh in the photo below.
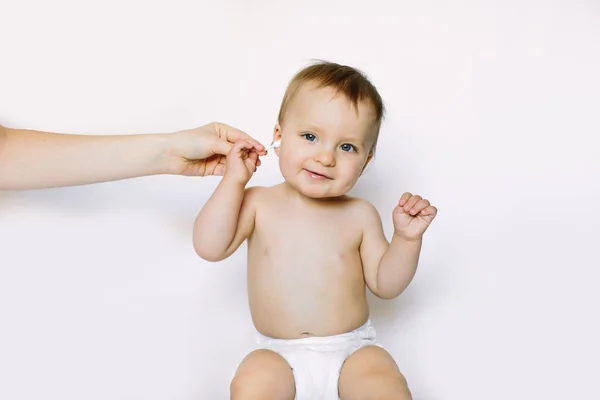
(372, 373)
(263, 374)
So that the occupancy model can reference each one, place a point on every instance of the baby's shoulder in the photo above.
(361, 208)
(253, 193)
(257, 195)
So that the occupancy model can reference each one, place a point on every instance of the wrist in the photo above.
(231, 180)
(168, 158)
(403, 238)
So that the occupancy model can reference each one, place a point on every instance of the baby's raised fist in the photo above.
(412, 216)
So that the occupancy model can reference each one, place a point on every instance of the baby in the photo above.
(312, 249)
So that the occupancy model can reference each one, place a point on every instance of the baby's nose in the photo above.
(325, 156)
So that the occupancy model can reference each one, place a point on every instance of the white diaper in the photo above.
(316, 361)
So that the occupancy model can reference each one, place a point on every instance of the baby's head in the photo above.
(328, 126)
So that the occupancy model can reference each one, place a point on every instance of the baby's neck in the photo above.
(295, 195)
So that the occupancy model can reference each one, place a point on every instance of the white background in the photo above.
(493, 115)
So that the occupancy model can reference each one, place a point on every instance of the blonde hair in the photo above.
(350, 82)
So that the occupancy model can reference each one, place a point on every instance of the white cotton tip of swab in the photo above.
(275, 144)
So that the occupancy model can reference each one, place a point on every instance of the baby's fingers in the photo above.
(243, 149)
(404, 199)
(411, 203)
(252, 161)
(418, 206)
(241, 146)
(257, 146)
(430, 212)
(253, 156)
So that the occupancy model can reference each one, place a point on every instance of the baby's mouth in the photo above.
(316, 175)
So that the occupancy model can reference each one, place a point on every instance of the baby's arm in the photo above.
(227, 218)
(224, 222)
(390, 267)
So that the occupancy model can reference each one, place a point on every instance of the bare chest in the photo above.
(309, 239)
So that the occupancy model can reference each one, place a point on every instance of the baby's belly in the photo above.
(291, 301)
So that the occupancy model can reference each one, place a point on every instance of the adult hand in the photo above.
(203, 151)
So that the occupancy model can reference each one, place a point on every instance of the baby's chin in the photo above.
(317, 192)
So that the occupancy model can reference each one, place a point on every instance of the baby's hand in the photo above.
(242, 160)
(412, 216)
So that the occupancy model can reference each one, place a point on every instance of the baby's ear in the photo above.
(369, 157)
(277, 137)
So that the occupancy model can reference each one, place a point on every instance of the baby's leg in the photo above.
(263, 375)
(371, 373)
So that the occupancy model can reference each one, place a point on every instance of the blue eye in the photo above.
(309, 136)
(348, 147)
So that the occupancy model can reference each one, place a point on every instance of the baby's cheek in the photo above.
(356, 171)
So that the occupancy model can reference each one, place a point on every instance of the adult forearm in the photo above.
(397, 267)
(221, 212)
(34, 159)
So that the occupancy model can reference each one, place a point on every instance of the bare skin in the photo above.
(371, 373)
(293, 298)
(263, 374)
(31, 159)
(313, 250)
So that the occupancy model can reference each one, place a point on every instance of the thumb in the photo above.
(221, 147)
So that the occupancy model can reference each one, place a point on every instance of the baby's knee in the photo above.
(389, 384)
(265, 375)
(249, 384)
(259, 385)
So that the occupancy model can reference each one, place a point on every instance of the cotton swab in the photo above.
(273, 145)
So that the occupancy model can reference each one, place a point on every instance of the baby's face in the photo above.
(325, 143)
